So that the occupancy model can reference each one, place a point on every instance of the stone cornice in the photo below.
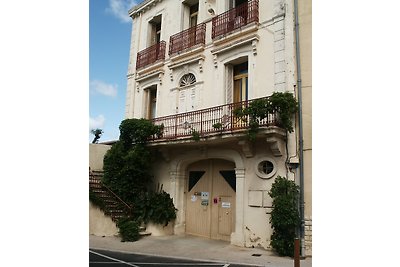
(142, 7)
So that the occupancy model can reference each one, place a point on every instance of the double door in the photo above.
(210, 199)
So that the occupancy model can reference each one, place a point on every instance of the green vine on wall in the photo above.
(128, 173)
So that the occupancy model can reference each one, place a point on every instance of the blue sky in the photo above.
(109, 42)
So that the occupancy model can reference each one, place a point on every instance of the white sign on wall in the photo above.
(226, 205)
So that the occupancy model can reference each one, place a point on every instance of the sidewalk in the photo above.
(190, 247)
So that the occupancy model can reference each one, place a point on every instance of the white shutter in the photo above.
(182, 101)
(229, 84)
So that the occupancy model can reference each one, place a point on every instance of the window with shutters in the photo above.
(155, 30)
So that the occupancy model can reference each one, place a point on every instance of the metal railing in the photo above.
(96, 183)
(235, 18)
(187, 38)
(209, 121)
(150, 55)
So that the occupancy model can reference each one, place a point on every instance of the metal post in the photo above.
(296, 252)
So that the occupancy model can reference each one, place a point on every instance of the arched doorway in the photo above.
(211, 199)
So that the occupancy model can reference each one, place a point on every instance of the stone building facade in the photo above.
(191, 64)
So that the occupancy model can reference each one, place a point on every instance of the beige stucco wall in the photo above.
(159, 229)
(100, 224)
(254, 230)
(96, 155)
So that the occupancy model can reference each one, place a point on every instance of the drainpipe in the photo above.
(300, 114)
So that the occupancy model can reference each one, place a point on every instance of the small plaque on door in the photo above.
(204, 195)
(204, 202)
(226, 205)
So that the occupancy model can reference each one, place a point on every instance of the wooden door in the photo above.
(197, 210)
(224, 198)
(210, 199)
(225, 216)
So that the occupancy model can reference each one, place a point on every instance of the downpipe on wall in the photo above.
(300, 114)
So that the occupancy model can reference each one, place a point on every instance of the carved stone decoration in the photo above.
(276, 145)
(254, 46)
(171, 74)
(215, 61)
(201, 61)
(137, 87)
(186, 69)
(247, 148)
(160, 76)
(279, 7)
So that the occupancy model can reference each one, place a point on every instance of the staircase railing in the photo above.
(93, 179)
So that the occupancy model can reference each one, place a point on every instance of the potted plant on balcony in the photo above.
(283, 105)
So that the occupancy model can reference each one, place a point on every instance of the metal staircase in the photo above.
(109, 202)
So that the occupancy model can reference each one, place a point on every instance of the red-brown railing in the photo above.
(187, 38)
(235, 18)
(97, 187)
(219, 119)
(150, 55)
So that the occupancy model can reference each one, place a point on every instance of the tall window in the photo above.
(240, 82)
(151, 102)
(190, 11)
(155, 30)
(235, 3)
(187, 93)
(194, 10)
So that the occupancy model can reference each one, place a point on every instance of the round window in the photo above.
(265, 168)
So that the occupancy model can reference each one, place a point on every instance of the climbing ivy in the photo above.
(127, 172)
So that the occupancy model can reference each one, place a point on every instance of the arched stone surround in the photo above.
(178, 167)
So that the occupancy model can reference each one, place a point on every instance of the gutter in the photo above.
(300, 114)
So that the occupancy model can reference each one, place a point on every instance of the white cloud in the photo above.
(97, 122)
(103, 88)
(120, 8)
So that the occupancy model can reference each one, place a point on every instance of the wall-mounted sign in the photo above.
(194, 198)
(204, 195)
(226, 205)
(215, 200)
(204, 202)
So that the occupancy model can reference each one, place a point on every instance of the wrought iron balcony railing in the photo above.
(235, 18)
(187, 38)
(150, 55)
(206, 122)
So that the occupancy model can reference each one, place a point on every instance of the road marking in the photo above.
(110, 258)
(181, 263)
(226, 265)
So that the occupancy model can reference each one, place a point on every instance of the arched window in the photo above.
(187, 79)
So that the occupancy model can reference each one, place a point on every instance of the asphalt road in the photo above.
(102, 258)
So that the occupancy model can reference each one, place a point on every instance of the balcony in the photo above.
(150, 55)
(207, 122)
(235, 18)
(188, 38)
